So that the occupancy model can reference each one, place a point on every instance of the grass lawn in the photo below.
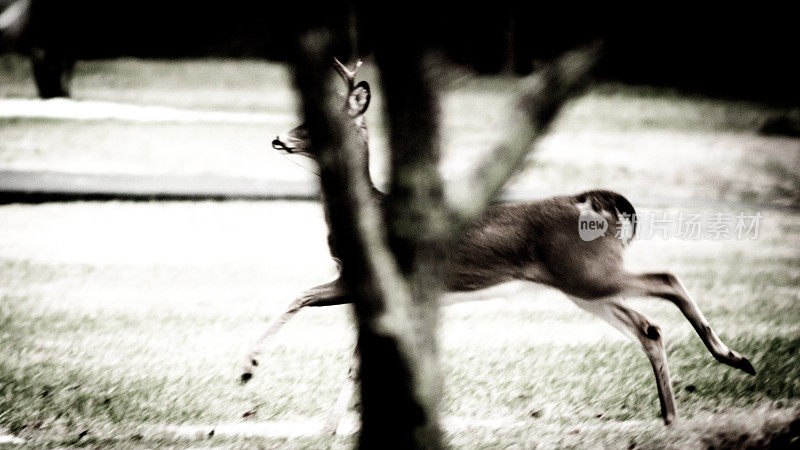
(120, 322)
(121, 318)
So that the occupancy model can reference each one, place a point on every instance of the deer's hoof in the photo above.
(245, 377)
(744, 365)
(736, 361)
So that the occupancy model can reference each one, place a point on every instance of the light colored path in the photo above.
(19, 186)
(314, 427)
(36, 187)
(61, 108)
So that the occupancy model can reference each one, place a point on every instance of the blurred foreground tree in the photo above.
(392, 248)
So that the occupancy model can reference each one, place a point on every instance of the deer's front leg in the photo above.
(647, 334)
(331, 293)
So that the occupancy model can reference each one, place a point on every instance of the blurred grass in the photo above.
(120, 318)
(195, 84)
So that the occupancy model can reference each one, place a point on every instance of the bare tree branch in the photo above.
(393, 253)
(543, 94)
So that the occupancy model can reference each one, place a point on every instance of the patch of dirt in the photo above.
(756, 430)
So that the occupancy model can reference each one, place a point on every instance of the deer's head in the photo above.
(356, 102)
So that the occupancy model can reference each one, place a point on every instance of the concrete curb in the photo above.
(45, 186)
(40, 187)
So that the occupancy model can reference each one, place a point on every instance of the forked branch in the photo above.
(543, 94)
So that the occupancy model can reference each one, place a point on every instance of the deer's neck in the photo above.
(363, 136)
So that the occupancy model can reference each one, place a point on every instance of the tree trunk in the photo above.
(393, 252)
(400, 383)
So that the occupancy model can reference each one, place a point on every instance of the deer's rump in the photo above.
(539, 241)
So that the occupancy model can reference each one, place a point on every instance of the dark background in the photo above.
(741, 52)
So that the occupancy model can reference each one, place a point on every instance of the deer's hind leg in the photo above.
(328, 294)
(345, 395)
(643, 331)
(667, 286)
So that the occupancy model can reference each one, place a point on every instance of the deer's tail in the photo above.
(602, 200)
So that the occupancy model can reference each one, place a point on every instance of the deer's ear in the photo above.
(358, 100)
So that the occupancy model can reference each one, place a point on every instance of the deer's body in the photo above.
(537, 242)
(526, 241)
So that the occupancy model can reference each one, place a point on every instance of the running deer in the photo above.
(537, 242)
